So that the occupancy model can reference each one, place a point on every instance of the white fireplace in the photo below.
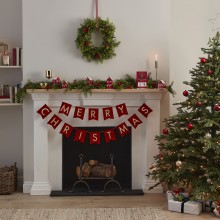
(43, 164)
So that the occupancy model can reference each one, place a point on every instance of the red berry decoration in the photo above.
(85, 30)
(86, 43)
(209, 72)
(199, 103)
(217, 107)
(165, 131)
(97, 56)
(203, 60)
(185, 93)
(190, 126)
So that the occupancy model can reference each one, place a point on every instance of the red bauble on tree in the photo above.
(190, 126)
(165, 131)
(209, 72)
(217, 107)
(199, 103)
(203, 60)
(185, 93)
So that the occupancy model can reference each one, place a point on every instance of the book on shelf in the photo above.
(17, 56)
(8, 95)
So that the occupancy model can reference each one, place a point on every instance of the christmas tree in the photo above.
(190, 143)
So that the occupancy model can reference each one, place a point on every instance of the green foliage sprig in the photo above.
(86, 46)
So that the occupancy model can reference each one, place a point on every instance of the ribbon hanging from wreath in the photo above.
(84, 39)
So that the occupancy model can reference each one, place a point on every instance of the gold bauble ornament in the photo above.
(178, 163)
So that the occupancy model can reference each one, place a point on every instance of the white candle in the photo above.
(156, 61)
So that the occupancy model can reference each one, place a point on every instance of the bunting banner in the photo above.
(121, 110)
(80, 135)
(65, 108)
(66, 130)
(108, 113)
(54, 121)
(145, 110)
(109, 135)
(44, 111)
(123, 129)
(93, 114)
(79, 112)
(135, 121)
(95, 137)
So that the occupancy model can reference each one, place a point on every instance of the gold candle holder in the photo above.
(48, 74)
(43, 85)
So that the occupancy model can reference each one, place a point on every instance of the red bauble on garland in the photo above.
(203, 60)
(190, 126)
(185, 93)
(165, 131)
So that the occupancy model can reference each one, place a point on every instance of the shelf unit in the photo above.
(10, 67)
(2, 103)
(10, 104)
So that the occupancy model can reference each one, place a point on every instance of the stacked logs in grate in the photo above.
(95, 169)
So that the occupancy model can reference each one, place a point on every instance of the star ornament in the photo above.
(215, 22)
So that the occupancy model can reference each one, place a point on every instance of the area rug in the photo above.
(145, 213)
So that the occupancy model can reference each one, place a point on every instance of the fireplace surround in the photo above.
(45, 172)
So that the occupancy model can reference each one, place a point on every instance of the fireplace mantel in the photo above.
(143, 139)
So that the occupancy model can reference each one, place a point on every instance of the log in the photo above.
(98, 170)
(93, 162)
(86, 170)
(103, 170)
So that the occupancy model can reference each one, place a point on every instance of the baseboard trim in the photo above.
(27, 187)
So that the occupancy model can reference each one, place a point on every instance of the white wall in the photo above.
(190, 31)
(11, 122)
(50, 29)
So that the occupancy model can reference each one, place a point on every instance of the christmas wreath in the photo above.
(84, 40)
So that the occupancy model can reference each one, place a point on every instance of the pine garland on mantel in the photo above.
(83, 86)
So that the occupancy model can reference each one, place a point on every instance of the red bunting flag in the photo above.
(121, 109)
(93, 114)
(66, 130)
(123, 129)
(54, 121)
(79, 112)
(135, 120)
(44, 111)
(109, 135)
(108, 113)
(145, 110)
(95, 137)
(65, 108)
(80, 135)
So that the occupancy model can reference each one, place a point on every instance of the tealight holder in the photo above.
(43, 85)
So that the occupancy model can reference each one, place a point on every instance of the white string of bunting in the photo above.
(93, 114)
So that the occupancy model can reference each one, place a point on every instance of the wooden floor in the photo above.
(20, 200)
